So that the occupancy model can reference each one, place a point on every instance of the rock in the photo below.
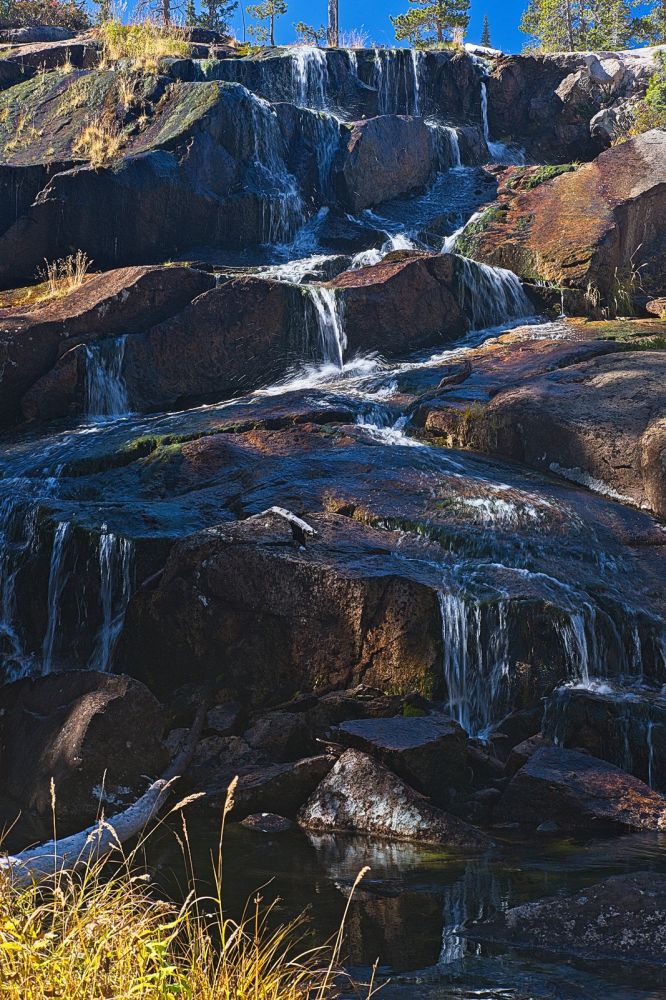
(36, 33)
(361, 796)
(594, 228)
(277, 788)
(10, 73)
(657, 307)
(429, 753)
(282, 736)
(579, 792)
(39, 55)
(267, 823)
(385, 157)
(106, 305)
(515, 728)
(98, 736)
(406, 302)
(600, 423)
(619, 919)
(521, 753)
(225, 720)
(361, 702)
(626, 726)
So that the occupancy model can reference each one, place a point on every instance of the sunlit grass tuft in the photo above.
(143, 44)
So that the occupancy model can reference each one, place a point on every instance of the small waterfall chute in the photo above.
(499, 151)
(115, 568)
(324, 316)
(282, 203)
(490, 296)
(105, 390)
(57, 580)
(310, 71)
(445, 145)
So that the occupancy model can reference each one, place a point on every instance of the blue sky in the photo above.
(373, 16)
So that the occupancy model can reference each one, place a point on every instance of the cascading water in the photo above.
(499, 152)
(18, 537)
(446, 146)
(57, 581)
(396, 78)
(105, 389)
(283, 208)
(310, 70)
(490, 296)
(325, 318)
(115, 570)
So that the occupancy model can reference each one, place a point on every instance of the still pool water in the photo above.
(408, 908)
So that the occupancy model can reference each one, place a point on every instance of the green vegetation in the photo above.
(557, 25)
(310, 35)
(267, 11)
(63, 13)
(651, 112)
(485, 35)
(531, 178)
(142, 44)
(429, 21)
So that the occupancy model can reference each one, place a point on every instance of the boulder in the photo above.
(620, 919)
(657, 307)
(362, 796)
(579, 791)
(521, 753)
(428, 752)
(281, 735)
(10, 73)
(267, 823)
(226, 719)
(600, 422)
(386, 157)
(273, 788)
(82, 54)
(106, 305)
(36, 33)
(98, 736)
(595, 228)
(626, 726)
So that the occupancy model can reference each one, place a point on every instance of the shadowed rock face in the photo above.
(96, 735)
(590, 229)
(577, 791)
(361, 796)
(622, 918)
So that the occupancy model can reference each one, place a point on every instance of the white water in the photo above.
(374, 256)
(327, 312)
(105, 389)
(491, 296)
(499, 152)
(446, 146)
(57, 580)
(310, 69)
(283, 208)
(397, 81)
(115, 566)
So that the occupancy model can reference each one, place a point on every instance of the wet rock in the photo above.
(31, 339)
(276, 788)
(622, 725)
(406, 302)
(579, 791)
(384, 158)
(429, 753)
(521, 753)
(515, 728)
(282, 736)
(590, 228)
(267, 823)
(620, 919)
(96, 735)
(362, 796)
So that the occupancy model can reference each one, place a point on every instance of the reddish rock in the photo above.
(362, 796)
(578, 791)
(96, 735)
(620, 919)
(384, 158)
(128, 299)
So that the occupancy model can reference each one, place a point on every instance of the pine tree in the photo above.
(190, 14)
(651, 28)
(440, 18)
(485, 37)
(216, 14)
(268, 10)
(571, 25)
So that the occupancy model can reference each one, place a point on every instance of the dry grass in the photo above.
(100, 143)
(64, 275)
(90, 933)
(142, 44)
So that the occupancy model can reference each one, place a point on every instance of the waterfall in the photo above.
(499, 152)
(475, 643)
(325, 310)
(105, 389)
(310, 72)
(490, 296)
(396, 78)
(115, 565)
(57, 580)
(445, 145)
(449, 244)
(283, 209)
(365, 258)
(18, 536)
(326, 142)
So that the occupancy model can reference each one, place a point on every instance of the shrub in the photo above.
(143, 44)
(651, 112)
(62, 13)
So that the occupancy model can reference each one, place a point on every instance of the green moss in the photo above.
(529, 178)
(468, 241)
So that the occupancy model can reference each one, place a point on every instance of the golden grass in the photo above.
(142, 44)
(64, 275)
(100, 142)
(92, 933)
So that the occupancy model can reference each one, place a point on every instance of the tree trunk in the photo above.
(570, 27)
(166, 11)
(440, 21)
(334, 23)
(273, 30)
